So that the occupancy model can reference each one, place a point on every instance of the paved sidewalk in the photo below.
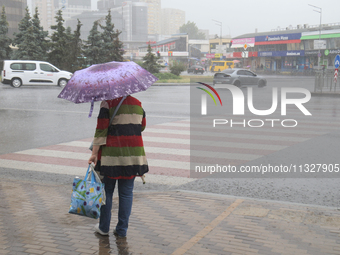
(34, 219)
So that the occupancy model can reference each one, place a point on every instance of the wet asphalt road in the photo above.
(33, 117)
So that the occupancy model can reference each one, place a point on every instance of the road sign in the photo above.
(244, 54)
(337, 61)
(335, 74)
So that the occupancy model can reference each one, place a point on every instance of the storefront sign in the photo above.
(239, 43)
(281, 53)
(180, 53)
(337, 51)
(228, 55)
(320, 44)
(311, 52)
(210, 55)
(278, 39)
(239, 54)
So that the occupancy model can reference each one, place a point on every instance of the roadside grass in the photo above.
(187, 79)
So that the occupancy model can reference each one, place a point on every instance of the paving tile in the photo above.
(169, 222)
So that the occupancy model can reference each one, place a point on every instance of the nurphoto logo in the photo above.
(239, 105)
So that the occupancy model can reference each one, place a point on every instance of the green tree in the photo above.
(24, 24)
(112, 46)
(58, 54)
(93, 47)
(150, 62)
(118, 48)
(192, 30)
(27, 48)
(5, 41)
(75, 49)
(31, 40)
(40, 36)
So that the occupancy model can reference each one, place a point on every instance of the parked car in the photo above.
(196, 69)
(239, 77)
(28, 72)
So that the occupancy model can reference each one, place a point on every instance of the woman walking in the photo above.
(119, 156)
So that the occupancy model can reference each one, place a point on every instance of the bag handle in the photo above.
(87, 172)
(116, 110)
(111, 120)
(90, 170)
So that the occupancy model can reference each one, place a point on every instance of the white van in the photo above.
(31, 72)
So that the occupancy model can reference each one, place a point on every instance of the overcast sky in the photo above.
(244, 16)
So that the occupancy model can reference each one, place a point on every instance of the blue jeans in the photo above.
(125, 192)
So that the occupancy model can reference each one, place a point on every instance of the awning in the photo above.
(316, 36)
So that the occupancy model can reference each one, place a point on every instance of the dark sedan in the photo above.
(196, 69)
(239, 77)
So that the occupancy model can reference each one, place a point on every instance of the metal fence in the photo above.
(324, 82)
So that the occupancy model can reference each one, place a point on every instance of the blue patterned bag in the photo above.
(88, 195)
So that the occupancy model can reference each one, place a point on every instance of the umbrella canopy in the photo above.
(106, 81)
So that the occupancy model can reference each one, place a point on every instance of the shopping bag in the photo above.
(88, 195)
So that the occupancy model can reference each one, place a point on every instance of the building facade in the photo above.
(72, 8)
(15, 11)
(129, 17)
(172, 20)
(154, 16)
(171, 49)
(46, 12)
(293, 49)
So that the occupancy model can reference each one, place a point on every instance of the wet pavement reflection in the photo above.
(112, 244)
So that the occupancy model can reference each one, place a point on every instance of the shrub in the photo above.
(166, 76)
(138, 62)
(177, 68)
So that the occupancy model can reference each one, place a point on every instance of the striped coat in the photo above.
(121, 154)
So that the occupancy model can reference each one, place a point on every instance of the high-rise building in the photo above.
(106, 4)
(154, 16)
(130, 17)
(172, 20)
(45, 10)
(15, 11)
(72, 8)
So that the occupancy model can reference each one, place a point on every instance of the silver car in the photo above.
(239, 77)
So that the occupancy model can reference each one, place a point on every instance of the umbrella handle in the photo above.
(91, 109)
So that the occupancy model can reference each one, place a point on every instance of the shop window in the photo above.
(337, 43)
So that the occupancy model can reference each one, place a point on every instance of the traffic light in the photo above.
(158, 54)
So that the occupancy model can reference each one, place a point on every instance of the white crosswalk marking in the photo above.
(167, 146)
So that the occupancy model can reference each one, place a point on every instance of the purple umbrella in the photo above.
(106, 81)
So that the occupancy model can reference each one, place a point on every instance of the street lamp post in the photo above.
(319, 10)
(219, 24)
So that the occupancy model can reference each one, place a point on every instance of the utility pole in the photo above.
(219, 24)
(319, 11)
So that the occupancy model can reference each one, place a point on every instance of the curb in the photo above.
(171, 84)
(326, 94)
(256, 199)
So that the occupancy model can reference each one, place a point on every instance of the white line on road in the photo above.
(80, 171)
(231, 135)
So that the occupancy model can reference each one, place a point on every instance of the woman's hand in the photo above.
(93, 159)
(94, 156)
